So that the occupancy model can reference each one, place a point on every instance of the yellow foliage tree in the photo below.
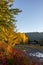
(23, 39)
(7, 24)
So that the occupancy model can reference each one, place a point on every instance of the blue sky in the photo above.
(31, 17)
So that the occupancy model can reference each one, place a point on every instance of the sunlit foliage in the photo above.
(23, 39)
(7, 14)
(7, 24)
(8, 35)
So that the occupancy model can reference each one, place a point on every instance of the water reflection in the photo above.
(37, 54)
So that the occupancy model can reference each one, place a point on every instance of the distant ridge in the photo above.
(35, 36)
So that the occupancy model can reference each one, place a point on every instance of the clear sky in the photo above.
(31, 17)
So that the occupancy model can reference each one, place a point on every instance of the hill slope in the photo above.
(35, 36)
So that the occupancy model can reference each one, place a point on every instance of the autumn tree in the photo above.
(23, 39)
(7, 23)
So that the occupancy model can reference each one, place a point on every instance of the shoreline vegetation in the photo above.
(38, 47)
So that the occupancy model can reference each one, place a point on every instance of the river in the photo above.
(33, 53)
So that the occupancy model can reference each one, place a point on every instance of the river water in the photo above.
(33, 53)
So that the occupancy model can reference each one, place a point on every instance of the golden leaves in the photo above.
(7, 34)
(23, 38)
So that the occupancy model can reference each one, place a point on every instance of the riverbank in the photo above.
(37, 47)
